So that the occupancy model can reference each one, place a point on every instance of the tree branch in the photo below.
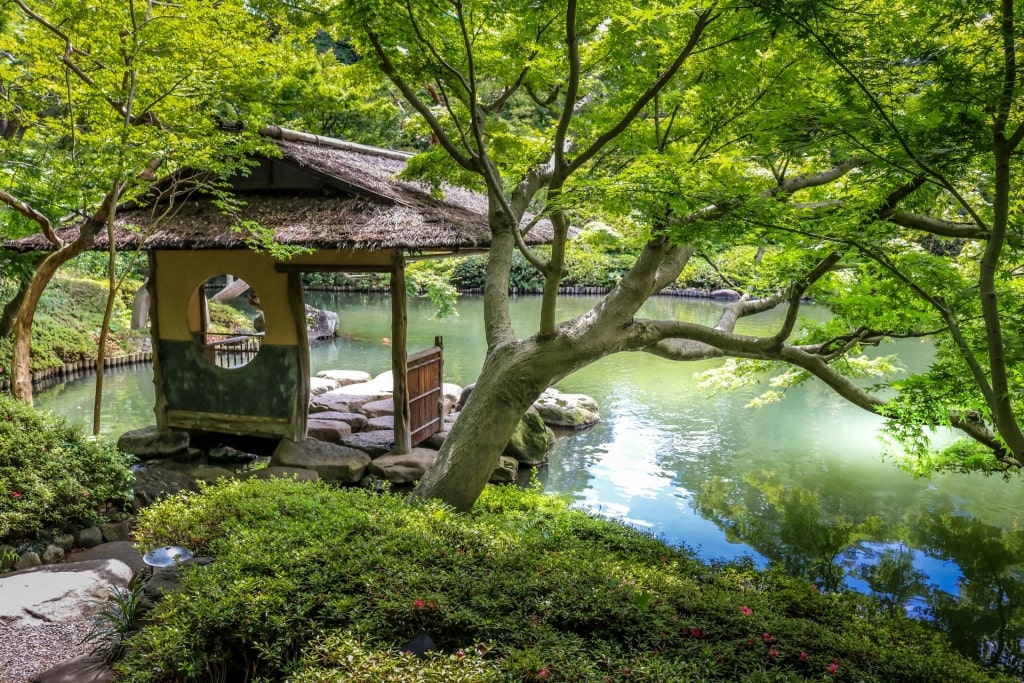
(36, 217)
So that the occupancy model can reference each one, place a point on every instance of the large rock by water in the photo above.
(333, 462)
(153, 442)
(404, 469)
(567, 410)
(320, 324)
(506, 471)
(531, 440)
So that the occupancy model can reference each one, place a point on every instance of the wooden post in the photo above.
(160, 406)
(399, 356)
(300, 409)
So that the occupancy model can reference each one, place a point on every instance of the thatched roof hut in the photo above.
(342, 201)
(321, 193)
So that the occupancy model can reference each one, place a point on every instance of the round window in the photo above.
(225, 320)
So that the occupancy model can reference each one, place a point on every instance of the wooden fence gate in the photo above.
(426, 397)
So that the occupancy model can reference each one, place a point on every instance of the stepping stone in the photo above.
(345, 377)
(321, 385)
(334, 463)
(375, 443)
(382, 422)
(378, 408)
(327, 430)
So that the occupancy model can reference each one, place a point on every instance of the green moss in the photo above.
(313, 584)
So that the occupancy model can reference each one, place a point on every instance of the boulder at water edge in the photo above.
(506, 471)
(327, 430)
(531, 440)
(349, 399)
(567, 410)
(334, 463)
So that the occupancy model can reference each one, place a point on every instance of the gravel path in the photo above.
(26, 651)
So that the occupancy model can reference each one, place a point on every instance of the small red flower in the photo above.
(803, 657)
(459, 654)
(767, 637)
(15, 494)
(543, 673)
(750, 642)
(773, 652)
(746, 610)
(85, 494)
(833, 667)
(417, 604)
(697, 633)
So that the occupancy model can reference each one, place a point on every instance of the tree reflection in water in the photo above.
(826, 538)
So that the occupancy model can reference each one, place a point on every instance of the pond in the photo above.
(802, 484)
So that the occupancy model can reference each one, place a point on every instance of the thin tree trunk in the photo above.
(108, 311)
(22, 347)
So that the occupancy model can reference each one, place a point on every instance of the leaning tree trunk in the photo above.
(513, 376)
(21, 352)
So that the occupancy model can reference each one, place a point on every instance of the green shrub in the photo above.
(312, 584)
(52, 476)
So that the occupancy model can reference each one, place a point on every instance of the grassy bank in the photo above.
(312, 584)
(66, 327)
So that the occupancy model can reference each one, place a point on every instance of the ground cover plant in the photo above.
(52, 476)
(313, 584)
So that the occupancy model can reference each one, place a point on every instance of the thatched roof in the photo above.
(337, 195)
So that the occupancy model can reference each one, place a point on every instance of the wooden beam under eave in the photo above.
(399, 356)
(160, 405)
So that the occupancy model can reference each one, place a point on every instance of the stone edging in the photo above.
(81, 366)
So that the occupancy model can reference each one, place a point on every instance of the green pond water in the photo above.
(802, 484)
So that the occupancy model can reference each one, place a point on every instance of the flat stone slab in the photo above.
(327, 430)
(349, 399)
(334, 463)
(345, 377)
(382, 422)
(378, 408)
(58, 592)
(354, 420)
(375, 443)
(321, 385)
(404, 469)
(150, 441)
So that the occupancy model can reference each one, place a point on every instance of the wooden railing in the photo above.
(230, 350)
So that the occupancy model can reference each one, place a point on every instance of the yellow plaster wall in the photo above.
(339, 258)
(179, 273)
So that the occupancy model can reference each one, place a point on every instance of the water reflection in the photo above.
(800, 484)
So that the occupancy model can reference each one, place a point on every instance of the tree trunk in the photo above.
(12, 307)
(21, 353)
(513, 376)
